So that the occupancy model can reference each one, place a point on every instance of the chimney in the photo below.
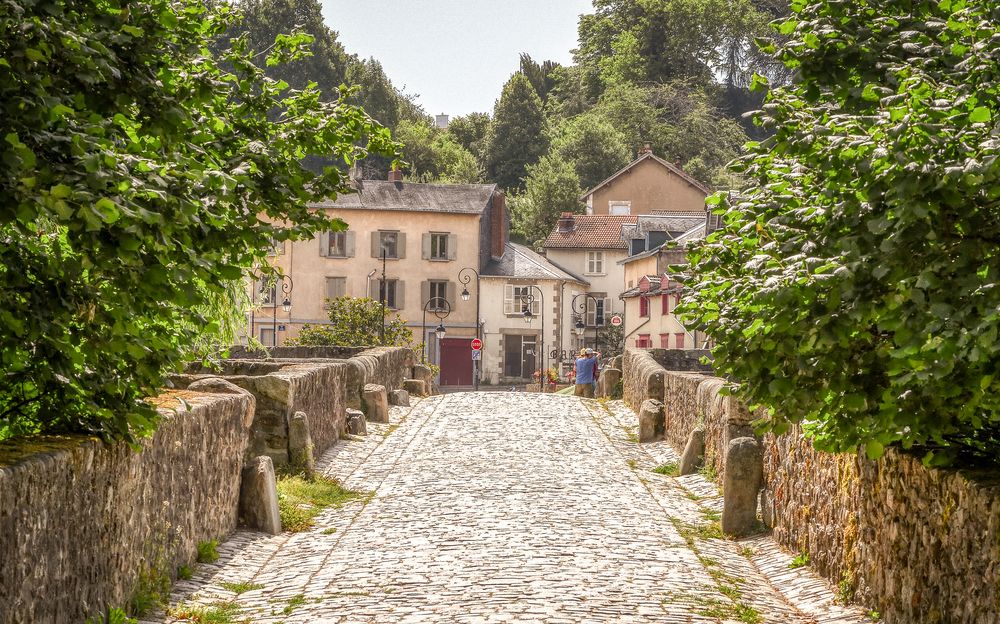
(498, 226)
(566, 222)
(396, 174)
(645, 149)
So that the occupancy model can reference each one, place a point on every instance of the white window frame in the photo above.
(619, 207)
(390, 293)
(382, 235)
(512, 304)
(595, 263)
(337, 247)
(442, 286)
(439, 243)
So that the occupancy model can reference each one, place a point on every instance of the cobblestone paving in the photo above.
(511, 507)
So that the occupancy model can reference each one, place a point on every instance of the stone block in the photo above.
(694, 452)
(651, 421)
(423, 373)
(608, 381)
(259, 497)
(375, 403)
(300, 444)
(399, 397)
(416, 387)
(356, 424)
(741, 483)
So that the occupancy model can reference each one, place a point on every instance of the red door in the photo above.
(456, 362)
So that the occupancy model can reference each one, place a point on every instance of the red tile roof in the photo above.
(591, 232)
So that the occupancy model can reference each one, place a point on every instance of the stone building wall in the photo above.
(919, 545)
(81, 520)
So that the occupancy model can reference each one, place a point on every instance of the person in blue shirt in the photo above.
(586, 373)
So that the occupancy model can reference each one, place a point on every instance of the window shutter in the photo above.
(324, 244)
(349, 243)
(425, 293)
(591, 313)
(508, 299)
(373, 290)
(450, 290)
(401, 245)
(425, 246)
(452, 246)
(400, 300)
(376, 252)
(607, 311)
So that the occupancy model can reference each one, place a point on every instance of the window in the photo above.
(665, 301)
(438, 293)
(514, 300)
(439, 246)
(266, 292)
(679, 340)
(644, 307)
(277, 247)
(643, 341)
(664, 341)
(595, 262)
(387, 293)
(389, 242)
(267, 336)
(619, 207)
(597, 311)
(337, 247)
(336, 287)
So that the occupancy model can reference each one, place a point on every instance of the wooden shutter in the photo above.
(324, 244)
(349, 238)
(607, 311)
(373, 290)
(450, 292)
(591, 313)
(400, 300)
(336, 287)
(425, 293)
(508, 299)
(376, 248)
(452, 246)
(401, 245)
(425, 246)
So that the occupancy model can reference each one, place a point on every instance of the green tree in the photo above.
(515, 138)
(469, 131)
(552, 188)
(540, 75)
(140, 182)
(357, 321)
(433, 155)
(853, 288)
(594, 147)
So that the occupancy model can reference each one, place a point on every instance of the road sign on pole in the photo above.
(477, 345)
(616, 320)
(477, 355)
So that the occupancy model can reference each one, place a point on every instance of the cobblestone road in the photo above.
(511, 507)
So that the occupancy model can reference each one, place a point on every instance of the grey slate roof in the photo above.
(676, 224)
(415, 197)
(520, 262)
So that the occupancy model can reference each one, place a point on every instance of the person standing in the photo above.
(586, 366)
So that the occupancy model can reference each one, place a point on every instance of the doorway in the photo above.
(520, 354)
(456, 362)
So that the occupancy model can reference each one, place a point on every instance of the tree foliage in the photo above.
(357, 321)
(140, 182)
(552, 187)
(854, 286)
(592, 145)
(469, 131)
(433, 155)
(515, 138)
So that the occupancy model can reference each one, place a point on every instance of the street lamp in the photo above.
(465, 276)
(440, 307)
(286, 304)
(581, 314)
(527, 299)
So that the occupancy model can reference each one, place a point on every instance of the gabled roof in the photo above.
(591, 232)
(662, 287)
(649, 155)
(415, 197)
(520, 262)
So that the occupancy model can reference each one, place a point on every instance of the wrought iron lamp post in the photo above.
(581, 315)
(528, 299)
(286, 303)
(441, 309)
(465, 276)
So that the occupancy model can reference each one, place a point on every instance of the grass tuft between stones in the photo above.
(241, 588)
(218, 613)
(300, 500)
(669, 469)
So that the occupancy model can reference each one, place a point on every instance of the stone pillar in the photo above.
(399, 397)
(259, 497)
(376, 404)
(741, 483)
(610, 377)
(300, 445)
(356, 424)
(652, 426)
(694, 452)
(415, 387)
(424, 374)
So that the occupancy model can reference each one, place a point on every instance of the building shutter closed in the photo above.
(452, 246)
(376, 248)
(425, 293)
(425, 246)
(324, 244)
(400, 299)
(450, 289)
(350, 237)
(401, 245)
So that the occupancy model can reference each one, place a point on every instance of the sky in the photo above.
(455, 55)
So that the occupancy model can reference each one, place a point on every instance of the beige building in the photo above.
(516, 345)
(590, 246)
(429, 233)
(651, 295)
(648, 185)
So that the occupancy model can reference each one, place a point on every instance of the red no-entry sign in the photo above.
(477, 344)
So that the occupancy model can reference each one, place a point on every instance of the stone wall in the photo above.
(682, 359)
(642, 378)
(282, 388)
(81, 520)
(239, 352)
(918, 545)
